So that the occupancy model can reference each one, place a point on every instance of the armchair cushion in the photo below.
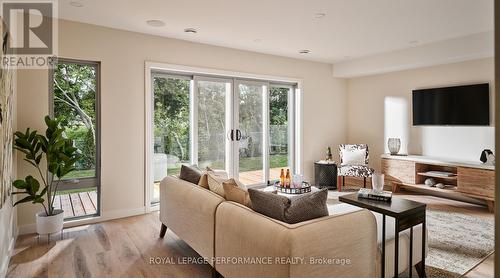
(355, 171)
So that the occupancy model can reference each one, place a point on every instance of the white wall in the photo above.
(122, 55)
(376, 110)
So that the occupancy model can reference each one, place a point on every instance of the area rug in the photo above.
(457, 242)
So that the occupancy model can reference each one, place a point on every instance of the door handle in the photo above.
(231, 135)
(238, 135)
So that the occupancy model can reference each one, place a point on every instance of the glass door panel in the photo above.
(171, 127)
(213, 122)
(279, 130)
(250, 103)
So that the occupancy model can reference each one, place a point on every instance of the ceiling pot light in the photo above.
(413, 42)
(304, 51)
(319, 15)
(190, 30)
(155, 23)
(257, 41)
(76, 4)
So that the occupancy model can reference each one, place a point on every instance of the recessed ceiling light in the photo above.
(319, 15)
(413, 42)
(155, 23)
(76, 4)
(257, 40)
(190, 30)
(304, 51)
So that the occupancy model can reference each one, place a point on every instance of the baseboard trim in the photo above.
(106, 215)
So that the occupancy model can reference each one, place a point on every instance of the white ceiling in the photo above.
(351, 28)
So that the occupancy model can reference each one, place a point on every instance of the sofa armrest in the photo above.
(189, 211)
(332, 246)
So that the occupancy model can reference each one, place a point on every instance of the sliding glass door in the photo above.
(244, 127)
(250, 118)
(212, 122)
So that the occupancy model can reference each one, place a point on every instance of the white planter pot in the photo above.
(49, 224)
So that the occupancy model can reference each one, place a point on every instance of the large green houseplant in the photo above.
(60, 158)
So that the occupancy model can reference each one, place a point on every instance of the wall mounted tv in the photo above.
(467, 105)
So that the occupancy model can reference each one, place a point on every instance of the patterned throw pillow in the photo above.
(191, 173)
(236, 191)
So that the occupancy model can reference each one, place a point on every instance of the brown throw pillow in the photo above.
(269, 204)
(297, 209)
(191, 173)
(307, 206)
(236, 192)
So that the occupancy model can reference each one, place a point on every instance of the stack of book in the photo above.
(373, 195)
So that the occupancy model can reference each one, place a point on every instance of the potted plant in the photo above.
(60, 157)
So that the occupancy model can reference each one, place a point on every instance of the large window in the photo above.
(245, 127)
(75, 99)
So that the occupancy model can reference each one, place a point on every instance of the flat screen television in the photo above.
(467, 105)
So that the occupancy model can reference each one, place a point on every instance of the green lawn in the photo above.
(64, 192)
(78, 174)
(246, 164)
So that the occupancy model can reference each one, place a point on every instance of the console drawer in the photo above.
(476, 181)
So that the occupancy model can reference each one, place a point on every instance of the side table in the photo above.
(406, 213)
(325, 174)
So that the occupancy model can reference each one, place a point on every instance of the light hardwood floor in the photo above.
(124, 248)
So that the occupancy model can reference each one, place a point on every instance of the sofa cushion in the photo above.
(236, 191)
(204, 178)
(191, 173)
(290, 210)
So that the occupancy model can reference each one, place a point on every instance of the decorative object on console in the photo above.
(394, 145)
(430, 182)
(440, 185)
(487, 157)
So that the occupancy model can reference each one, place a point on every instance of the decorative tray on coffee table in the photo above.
(306, 187)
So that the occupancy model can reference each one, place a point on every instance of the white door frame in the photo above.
(197, 71)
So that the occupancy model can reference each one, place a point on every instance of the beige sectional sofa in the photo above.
(239, 242)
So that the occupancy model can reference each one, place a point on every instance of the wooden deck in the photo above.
(77, 204)
(85, 203)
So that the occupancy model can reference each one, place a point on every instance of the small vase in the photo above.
(378, 182)
(394, 144)
(49, 224)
